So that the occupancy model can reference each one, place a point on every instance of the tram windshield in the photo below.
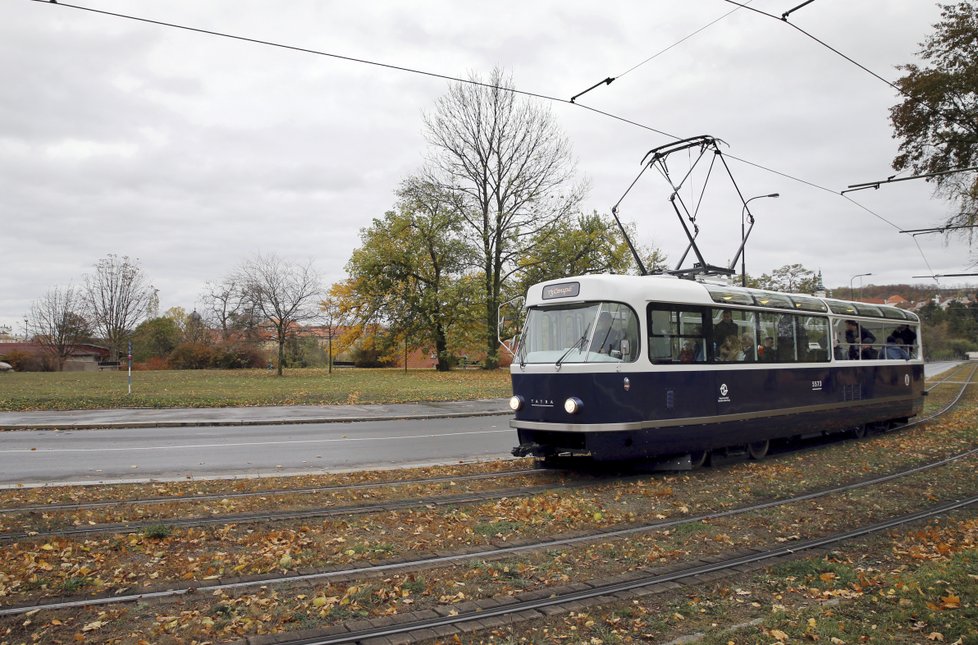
(597, 332)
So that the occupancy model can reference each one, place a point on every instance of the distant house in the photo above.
(84, 357)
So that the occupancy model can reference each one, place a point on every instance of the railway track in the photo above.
(495, 553)
(504, 551)
(472, 616)
(74, 527)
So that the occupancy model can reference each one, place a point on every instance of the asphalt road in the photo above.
(141, 445)
(33, 457)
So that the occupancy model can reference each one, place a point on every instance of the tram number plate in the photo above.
(816, 386)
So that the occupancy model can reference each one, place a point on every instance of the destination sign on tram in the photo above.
(563, 290)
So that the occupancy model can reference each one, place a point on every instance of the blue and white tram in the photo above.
(613, 367)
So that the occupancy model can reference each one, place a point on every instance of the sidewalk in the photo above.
(278, 415)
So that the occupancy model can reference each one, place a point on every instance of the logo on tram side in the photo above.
(542, 403)
(724, 391)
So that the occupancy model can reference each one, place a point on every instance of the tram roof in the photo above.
(664, 288)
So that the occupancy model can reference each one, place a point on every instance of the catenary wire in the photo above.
(784, 19)
(896, 87)
(448, 77)
(611, 79)
(680, 41)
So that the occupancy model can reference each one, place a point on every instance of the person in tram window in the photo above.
(725, 328)
(747, 346)
(906, 337)
(766, 352)
(893, 350)
(860, 341)
(730, 350)
(696, 345)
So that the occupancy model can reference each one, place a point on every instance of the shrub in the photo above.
(153, 363)
(232, 357)
(191, 356)
(369, 357)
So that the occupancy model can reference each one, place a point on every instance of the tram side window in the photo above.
(676, 335)
(777, 332)
(901, 342)
(615, 334)
(815, 341)
(857, 340)
(734, 336)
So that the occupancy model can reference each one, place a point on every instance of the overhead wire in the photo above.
(447, 77)
(352, 59)
(680, 41)
(784, 18)
(609, 80)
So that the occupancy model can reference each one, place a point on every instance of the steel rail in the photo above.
(179, 499)
(600, 591)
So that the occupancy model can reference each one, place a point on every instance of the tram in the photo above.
(626, 368)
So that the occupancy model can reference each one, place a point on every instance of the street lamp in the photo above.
(858, 275)
(743, 237)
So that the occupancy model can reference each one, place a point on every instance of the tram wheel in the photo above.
(699, 458)
(758, 449)
(859, 431)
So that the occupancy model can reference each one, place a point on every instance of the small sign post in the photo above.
(130, 368)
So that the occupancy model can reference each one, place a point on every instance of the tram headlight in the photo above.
(573, 405)
(516, 403)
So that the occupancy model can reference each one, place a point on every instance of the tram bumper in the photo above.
(534, 449)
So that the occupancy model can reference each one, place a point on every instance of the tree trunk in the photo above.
(441, 349)
(281, 350)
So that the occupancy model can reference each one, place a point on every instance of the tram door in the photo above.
(677, 338)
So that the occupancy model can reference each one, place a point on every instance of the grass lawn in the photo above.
(225, 388)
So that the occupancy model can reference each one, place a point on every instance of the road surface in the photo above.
(32, 457)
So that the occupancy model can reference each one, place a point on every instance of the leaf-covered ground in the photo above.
(151, 559)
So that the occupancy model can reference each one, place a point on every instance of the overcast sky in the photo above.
(194, 153)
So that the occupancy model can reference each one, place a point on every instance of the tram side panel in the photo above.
(671, 411)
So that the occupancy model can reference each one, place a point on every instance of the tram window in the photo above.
(781, 328)
(771, 299)
(901, 342)
(808, 303)
(876, 347)
(729, 295)
(676, 335)
(814, 347)
(893, 312)
(734, 336)
(616, 334)
(858, 340)
(602, 332)
(843, 308)
(868, 310)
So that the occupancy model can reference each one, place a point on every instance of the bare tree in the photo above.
(58, 324)
(118, 298)
(508, 166)
(284, 294)
(225, 306)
